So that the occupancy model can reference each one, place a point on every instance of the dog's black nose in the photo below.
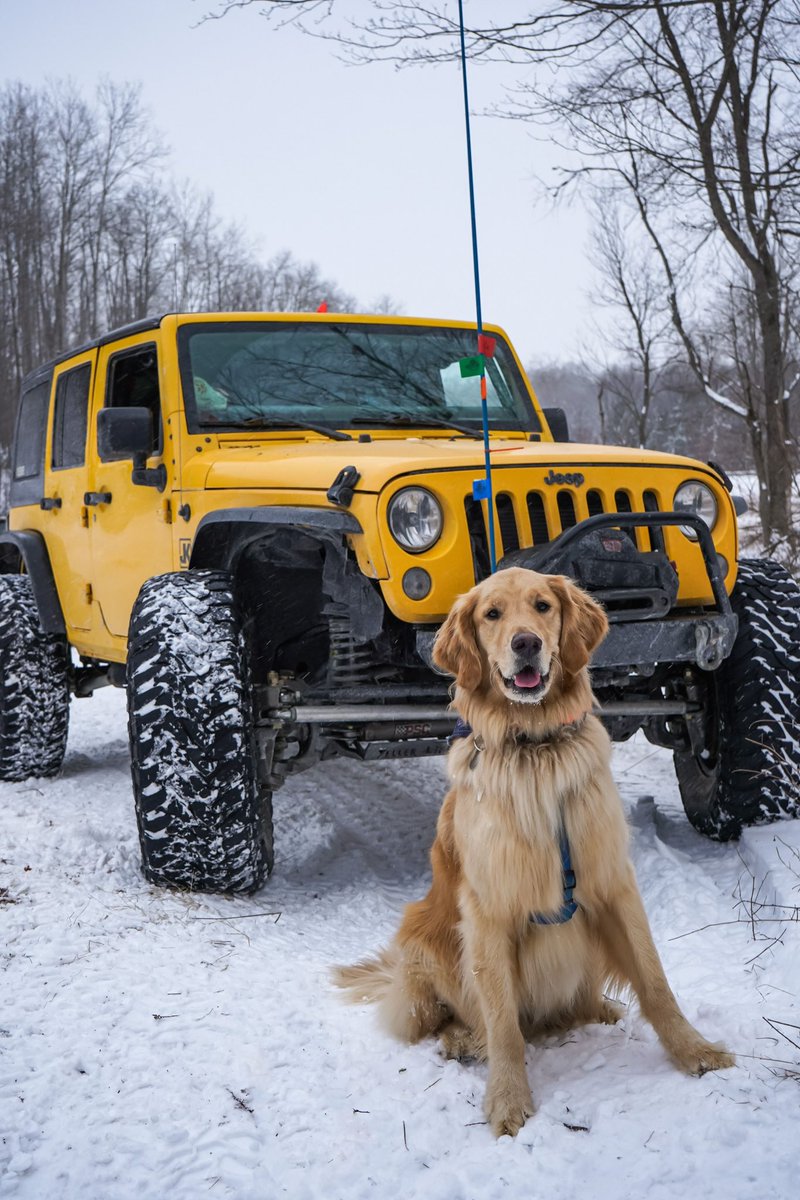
(526, 643)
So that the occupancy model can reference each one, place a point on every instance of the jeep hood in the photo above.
(314, 465)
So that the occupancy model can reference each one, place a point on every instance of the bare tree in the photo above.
(636, 348)
(64, 203)
(122, 148)
(23, 142)
(140, 237)
(291, 286)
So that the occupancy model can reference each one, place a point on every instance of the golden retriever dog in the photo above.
(496, 952)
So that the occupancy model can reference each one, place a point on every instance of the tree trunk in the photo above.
(775, 507)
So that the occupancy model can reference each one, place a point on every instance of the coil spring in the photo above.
(350, 662)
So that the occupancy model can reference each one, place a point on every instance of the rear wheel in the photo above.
(748, 771)
(204, 821)
(34, 687)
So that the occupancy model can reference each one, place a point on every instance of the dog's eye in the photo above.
(543, 606)
(493, 614)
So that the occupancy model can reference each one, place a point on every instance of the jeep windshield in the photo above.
(240, 374)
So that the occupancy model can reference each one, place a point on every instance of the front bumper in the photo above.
(705, 640)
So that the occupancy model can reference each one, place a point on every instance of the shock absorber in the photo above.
(350, 662)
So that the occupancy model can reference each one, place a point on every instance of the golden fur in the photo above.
(467, 964)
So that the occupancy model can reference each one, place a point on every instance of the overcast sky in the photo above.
(360, 169)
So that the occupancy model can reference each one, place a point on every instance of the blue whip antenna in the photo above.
(481, 488)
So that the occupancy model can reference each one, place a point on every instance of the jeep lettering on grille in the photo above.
(572, 478)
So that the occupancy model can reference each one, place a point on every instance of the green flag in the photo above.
(471, 366)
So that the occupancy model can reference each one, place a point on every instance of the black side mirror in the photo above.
(124, 432)
(557, 420)
(128, 433)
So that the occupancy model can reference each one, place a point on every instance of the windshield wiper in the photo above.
(424, 422)
(287, 423)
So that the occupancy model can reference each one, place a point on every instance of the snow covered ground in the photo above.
(173, 1046)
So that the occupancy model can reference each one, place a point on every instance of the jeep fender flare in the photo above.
(27, 547)
(223, 536)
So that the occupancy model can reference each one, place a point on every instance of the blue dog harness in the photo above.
(569, 906)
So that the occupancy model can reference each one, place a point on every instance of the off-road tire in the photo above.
(750, 774)
(34, 687)
(204, 821)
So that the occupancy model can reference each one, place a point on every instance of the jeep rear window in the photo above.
(70, 417)
(237, 373)
(27, 477)
(31, 427)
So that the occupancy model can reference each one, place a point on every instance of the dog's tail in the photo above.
(402, 986)
(370, 980)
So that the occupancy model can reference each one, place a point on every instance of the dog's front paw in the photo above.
(609, 1012)
(701, 1056)
(508, 1105)
(459, 1042)
(606, 1012)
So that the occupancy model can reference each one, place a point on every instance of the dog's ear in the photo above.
(456, 647)
(583, 624)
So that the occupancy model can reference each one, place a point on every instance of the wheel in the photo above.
(749, 771)
(204, 821)
(34, 687)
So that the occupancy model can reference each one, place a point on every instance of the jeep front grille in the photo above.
(535, 518)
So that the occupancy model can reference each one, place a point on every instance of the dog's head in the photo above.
(520, 633)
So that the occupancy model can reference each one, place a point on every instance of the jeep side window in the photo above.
(70, 417)
(133, 383)
(27, 480)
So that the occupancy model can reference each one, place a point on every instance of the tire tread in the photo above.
(204, 823)
(758, 694)
(34, 687)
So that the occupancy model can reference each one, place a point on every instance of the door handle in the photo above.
(48, 502)
(96, 498)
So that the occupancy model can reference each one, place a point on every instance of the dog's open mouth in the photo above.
(527, 684)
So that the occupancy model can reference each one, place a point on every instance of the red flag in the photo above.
(486, 345)
(323, 307)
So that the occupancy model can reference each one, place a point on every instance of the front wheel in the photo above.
(204, 821)
(748, 772)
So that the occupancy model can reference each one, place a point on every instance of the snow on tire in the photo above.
(750, 774)
(34, 687)
(204, 821)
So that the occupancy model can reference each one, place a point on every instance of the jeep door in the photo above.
(64, 519)
(130, 530)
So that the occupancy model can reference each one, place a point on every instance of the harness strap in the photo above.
(569, 906)
(460, 730)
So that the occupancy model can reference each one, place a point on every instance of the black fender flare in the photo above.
(26, 546)
(224, 535)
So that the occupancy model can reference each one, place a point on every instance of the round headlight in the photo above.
(694, 497)
(415, 519)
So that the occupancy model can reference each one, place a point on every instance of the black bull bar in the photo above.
(703, 637)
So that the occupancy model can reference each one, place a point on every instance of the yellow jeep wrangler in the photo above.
(257, 522)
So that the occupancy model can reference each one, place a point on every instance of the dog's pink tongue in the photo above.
(528, 678)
